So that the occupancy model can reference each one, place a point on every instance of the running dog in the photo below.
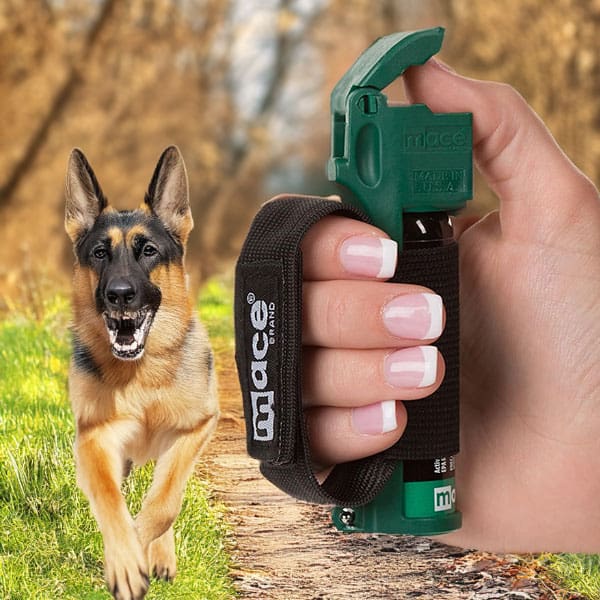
(141, 380)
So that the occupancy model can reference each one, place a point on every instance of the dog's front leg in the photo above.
(99, 474)
(163, 501)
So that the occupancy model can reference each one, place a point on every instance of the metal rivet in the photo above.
(347, 517)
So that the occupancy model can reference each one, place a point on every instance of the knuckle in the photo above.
(508, 104)
(506, 95)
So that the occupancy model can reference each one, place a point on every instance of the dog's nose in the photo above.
(120, 293)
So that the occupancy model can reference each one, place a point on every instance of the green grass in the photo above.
(215, 305)
(579, 573)
(50, 547)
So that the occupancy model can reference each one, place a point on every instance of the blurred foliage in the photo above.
(242, 87)
(577, 572)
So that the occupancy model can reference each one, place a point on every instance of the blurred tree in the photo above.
(123, 80)
(242, 86)
(59, 98)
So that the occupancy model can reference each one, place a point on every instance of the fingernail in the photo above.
(375, 419)
(369, 256)
(414, 316)
(412, 367)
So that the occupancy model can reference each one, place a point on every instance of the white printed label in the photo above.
(263, 415)
(262, 321)
(444, 498)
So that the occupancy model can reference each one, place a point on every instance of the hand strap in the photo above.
(268, 325)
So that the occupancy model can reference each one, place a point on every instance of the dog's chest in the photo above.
(154, 417)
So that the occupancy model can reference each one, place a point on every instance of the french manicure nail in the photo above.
(414, 316)
(412, 367)
(375, 419)
(369, 256)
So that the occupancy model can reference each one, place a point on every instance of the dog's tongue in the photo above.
(125, 332)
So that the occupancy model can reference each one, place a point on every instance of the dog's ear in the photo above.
(168, 195)
(85, 200)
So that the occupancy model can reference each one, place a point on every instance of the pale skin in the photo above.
(528, 471)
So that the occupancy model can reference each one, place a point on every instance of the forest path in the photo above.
(288, 550)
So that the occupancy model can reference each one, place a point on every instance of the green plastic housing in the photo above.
(399, 509)
(393, 160)
(396, 159)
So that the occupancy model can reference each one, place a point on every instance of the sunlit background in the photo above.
(242, 86)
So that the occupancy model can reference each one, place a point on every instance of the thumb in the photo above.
(513, 149)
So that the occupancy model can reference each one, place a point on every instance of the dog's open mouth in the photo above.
(128, 331)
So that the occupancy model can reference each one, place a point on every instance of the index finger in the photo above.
(342, 248)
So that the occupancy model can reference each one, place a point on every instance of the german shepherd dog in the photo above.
(141, 379)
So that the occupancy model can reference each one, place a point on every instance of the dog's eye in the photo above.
(100, 253)
(149, 250)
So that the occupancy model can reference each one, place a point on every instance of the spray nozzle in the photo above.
(396, 159)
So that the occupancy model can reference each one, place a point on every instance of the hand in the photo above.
(528, 471)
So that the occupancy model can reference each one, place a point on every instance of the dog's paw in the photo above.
(161, 556)
(126, 570)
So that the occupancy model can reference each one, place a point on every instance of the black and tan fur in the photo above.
(146, 390)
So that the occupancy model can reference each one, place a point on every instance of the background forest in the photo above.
(242, 86)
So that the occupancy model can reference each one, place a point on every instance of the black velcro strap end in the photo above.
(259, 358)
(268, 324)
(349, 484)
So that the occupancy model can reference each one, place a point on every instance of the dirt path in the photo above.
(287, 550)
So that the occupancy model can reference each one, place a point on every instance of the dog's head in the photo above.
(127, 254)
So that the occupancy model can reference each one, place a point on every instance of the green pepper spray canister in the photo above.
(408, 169)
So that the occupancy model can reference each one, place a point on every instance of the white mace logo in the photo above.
(263, 409)
(444, 498)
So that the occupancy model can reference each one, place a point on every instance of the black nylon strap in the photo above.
(268, 323)
(433, 422)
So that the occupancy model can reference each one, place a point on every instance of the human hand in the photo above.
(527, 473)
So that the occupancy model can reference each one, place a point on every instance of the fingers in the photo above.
(513, 148)
(351, 378)
(354, 314)
(341, 248)
(344, 434)
(366, 342)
